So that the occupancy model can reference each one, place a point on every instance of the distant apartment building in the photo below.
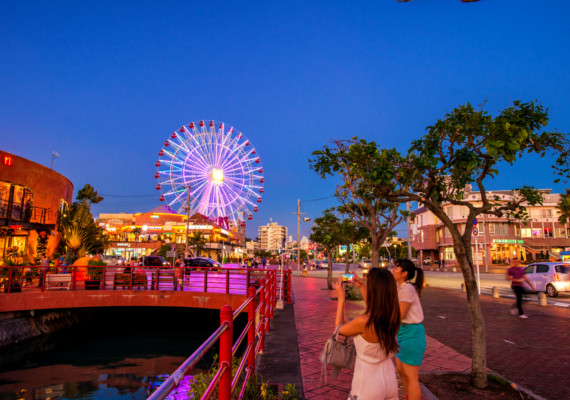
(272, 236)
(500, 239)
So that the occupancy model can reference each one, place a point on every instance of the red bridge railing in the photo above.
(19, 279)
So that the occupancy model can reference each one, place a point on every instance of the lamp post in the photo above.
(187, 221)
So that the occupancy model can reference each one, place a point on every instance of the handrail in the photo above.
(174, 379)
(227, 383)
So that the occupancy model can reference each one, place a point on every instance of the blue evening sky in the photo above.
(103, 83)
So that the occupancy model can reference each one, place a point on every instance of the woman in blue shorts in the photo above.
(412, 335)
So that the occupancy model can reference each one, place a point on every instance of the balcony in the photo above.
(23, 213)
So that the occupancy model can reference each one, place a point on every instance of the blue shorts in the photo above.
(412, 341)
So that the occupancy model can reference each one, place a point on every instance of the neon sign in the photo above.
(7, 160)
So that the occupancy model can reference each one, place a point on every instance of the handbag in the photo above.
(339, 354)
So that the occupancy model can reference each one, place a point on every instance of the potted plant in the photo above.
(95, 270)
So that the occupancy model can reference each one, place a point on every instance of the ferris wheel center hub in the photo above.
(217, 175)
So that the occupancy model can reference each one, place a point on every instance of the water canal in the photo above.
(117, 354)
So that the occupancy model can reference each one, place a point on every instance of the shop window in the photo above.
(449, 254)
(548, 233)
(536, 233)
(526, 232)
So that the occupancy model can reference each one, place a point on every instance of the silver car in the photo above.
(549, 277)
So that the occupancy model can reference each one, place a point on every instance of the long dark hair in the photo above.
(413, 271)
(383, 308)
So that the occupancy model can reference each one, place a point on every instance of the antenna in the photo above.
(54, 155)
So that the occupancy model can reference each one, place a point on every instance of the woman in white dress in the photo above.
(374, 335)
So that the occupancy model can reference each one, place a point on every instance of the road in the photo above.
(453, 280)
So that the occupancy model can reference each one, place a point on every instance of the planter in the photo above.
(92, 284)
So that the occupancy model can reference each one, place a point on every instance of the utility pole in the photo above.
(187, 221)
(298, 214)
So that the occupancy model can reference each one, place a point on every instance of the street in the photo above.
(453, 280)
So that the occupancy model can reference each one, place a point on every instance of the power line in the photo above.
(322, 198)
(129, 196)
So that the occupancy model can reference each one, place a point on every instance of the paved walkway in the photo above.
(314, 317)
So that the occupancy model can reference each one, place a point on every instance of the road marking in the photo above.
(508, 341)
(442, 317)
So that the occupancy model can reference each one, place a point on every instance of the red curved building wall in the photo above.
(49, 187)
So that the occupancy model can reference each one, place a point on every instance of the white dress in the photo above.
(374, 374)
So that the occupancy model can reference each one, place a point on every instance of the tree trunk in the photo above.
(478, 346)
(329, 272)
(375, 252)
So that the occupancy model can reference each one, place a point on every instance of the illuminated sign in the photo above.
(7, 160)
(508, 241)
(154, 216)
(123, 245)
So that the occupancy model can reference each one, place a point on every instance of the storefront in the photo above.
(505, 249)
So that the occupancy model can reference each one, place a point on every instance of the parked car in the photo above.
(155, 261)
(201, 262)
(113, 260)
(325, 263)
(427, 261)
(549, 277)
(364, 264)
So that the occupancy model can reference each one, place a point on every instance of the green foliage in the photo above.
(564, 207)
(163, 249)
(93, 268)
(253, 391)
(197, 241)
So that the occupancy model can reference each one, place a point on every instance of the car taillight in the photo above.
(556, 277)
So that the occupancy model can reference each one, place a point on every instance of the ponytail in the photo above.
(413, 271)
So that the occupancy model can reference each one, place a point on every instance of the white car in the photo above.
(364, 264)
(549, 277)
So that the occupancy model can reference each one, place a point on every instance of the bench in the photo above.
(58, 282)
(124, 280)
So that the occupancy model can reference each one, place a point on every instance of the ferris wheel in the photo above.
(216, 171)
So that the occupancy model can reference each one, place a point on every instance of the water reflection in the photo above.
(113, 357)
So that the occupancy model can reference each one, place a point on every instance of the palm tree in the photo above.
(198, 241)
(88, 195)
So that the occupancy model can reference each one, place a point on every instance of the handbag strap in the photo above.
(336, 333)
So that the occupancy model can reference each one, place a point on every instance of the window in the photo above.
(437, 235)
(529, 269)
(481, 228)
(498, 229)
(535, 213)
(447, 234)
(541, 269)
(548, 233)
(546, 213)
(492, 229)
(536, 233)
(421, 236)
(561, 269)
(449, 211)
(449, 254)
(526, 232)
(560, 232)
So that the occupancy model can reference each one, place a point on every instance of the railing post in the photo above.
(10, 274)
(131, 286)
(262, 315)
(288, 286)
(268, 304)
(273, 292)
(205, 280)
(225, 386)
(227, 281)
(73, 279)
(248, 278)
(251, 332)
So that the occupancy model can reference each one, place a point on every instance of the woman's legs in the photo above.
(409, 374)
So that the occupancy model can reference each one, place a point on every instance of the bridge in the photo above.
(48, 288)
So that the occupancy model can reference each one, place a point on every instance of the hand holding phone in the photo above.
(347, 278)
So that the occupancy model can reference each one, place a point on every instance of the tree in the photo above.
(198, 241)
(564, 208)
(326, 231)
(351, 233)
(466, 148)
(88, 195)
(80, 233)
(358, 162)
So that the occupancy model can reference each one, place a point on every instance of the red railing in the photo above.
(227, 384)
(18, 279)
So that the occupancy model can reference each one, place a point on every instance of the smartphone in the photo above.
(347, 278)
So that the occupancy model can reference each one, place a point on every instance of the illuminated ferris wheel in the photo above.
(220, 168)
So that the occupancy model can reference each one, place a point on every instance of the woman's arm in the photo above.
(404, 307)
(339, 320)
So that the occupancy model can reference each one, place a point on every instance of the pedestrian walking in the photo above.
(374, 335)
(516, 275)
(412, 335)
(264, 261)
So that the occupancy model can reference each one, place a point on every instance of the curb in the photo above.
(514, 385)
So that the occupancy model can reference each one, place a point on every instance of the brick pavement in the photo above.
(534, 353)
(314, 318)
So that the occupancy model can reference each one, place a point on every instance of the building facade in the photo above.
(31, 197)
(142, 234)
(499, 240)
(272, 237)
